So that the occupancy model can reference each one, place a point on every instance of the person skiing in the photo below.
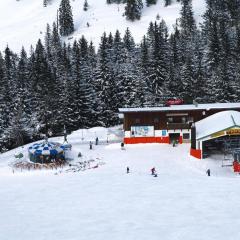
(208, 172)
(154, 173)
(96, 141)
(90, 145)
(128, 170)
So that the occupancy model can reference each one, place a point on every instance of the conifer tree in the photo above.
(187, 21)
(85, 5)
(128, 41)
(4, 102)
(133, 9)
(20, 129)
(168, 2)
(151, 2)
(159, 63)
(66, 24)
(175, 86)
(46, 2)
(105, 86)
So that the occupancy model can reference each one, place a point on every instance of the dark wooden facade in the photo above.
(169, 120)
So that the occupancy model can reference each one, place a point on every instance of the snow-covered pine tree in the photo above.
(14, 90)
(220, 31)
(151, 2)
(211, 35)
(87, 75)
(60, 67)
(188, 33)
(159, 60)
(80, 102)
(24, 98)
(175, 86)
(11, 87)
(104, 84)
(128, 41)
(133, 9)
(46, 2)
(92, 66)
(4, 103)
(144, 86)
(85, 5)
(66, 24)
(116, 1)
(187, 78)
(42, 87)
(187, 21)
(124, 92)
(47, 42)
(168, 2)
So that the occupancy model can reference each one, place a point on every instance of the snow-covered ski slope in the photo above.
(106, 203)
(23, 22)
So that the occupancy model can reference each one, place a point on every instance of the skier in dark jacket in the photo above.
(208, 172)
(153, 170)
(96, 142)
(128, 170)
(90, 145)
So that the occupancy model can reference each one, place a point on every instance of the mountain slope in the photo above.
(106, 203)
(23, 22)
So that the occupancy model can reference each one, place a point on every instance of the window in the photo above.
(156, 120)
(186, 136)
(137, 120)
(184, 119)
(190, 119)
(170, 119)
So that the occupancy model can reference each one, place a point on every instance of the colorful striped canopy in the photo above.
(46, 148)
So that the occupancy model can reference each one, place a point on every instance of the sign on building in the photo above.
(142, 131)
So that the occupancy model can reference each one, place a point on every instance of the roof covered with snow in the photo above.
(207, 106)
(216, 123)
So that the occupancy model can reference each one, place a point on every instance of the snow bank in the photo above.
(106, 203)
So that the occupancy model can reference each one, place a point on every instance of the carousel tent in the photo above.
(46, 152)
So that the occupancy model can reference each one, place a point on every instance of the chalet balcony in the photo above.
(172, 126)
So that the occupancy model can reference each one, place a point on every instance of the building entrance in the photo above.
(174, 137)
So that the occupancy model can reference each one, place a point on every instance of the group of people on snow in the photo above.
(154, 172)
(91, 144)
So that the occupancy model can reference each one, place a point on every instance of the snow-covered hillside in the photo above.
(22, 22)
(106, 203)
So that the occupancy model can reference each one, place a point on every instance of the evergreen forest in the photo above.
(80, 85)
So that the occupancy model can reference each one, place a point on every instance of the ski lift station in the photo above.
(210, 128)
(219, 132)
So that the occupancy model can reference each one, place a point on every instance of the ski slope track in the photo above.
(105, 203)
(23, 22)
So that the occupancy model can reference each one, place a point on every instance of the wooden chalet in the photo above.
(167, 124)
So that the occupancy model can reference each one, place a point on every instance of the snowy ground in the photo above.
(106, 203)
(23, 22)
